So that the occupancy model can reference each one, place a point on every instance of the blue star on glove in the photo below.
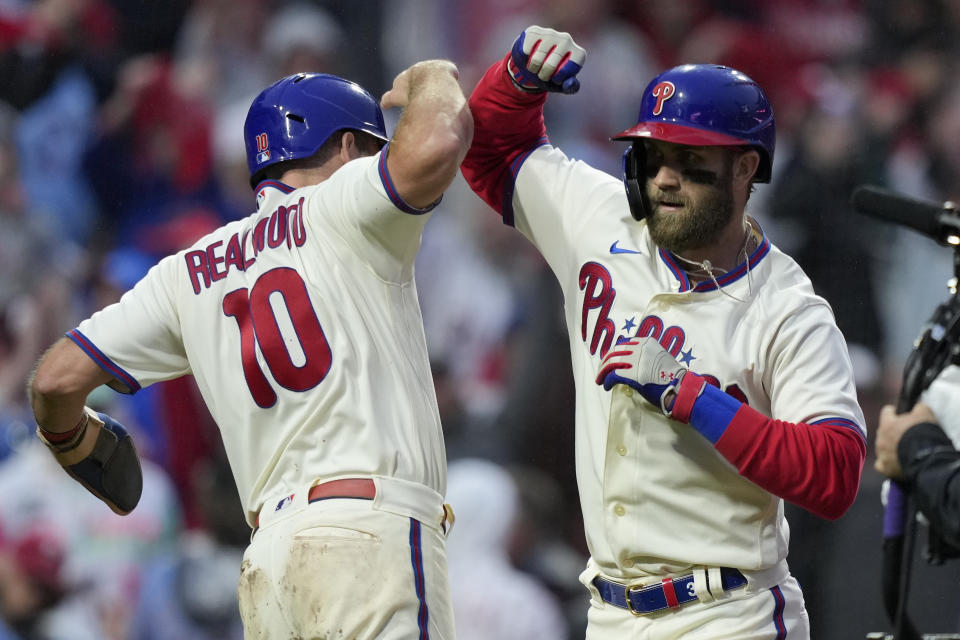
(645, 366)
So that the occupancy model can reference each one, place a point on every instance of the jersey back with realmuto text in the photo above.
(302, 327)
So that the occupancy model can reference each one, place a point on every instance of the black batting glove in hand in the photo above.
(546, 60)
(645, 366)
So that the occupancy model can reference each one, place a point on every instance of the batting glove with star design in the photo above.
(645, 366)
(546, 60)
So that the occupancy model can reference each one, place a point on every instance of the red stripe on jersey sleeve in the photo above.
(815, 466)
(507, 123)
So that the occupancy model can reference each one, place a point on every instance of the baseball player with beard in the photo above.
(712, 383)
(302, 328)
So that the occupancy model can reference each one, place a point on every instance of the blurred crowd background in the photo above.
(120, 142)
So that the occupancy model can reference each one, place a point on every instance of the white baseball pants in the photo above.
(348, 568)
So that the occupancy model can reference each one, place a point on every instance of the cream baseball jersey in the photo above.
(654, 492)
(302, 327)
(660, 496)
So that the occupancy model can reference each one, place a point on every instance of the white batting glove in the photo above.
(546, 60)
(645, 366)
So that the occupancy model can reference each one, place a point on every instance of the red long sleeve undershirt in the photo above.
(507, 125)
(815, 466)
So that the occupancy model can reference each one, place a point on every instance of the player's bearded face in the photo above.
(692, 216)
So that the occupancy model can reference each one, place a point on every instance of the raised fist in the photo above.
(546, 60)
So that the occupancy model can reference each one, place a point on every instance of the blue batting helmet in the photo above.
(704, 105)
(293, 117)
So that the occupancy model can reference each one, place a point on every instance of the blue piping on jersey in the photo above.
(843, 422)
(276, 184)
(508, 188)
(731, 276)
(392, 192)
(103, 361)
(676, 270)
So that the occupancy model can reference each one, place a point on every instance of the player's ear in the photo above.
(745, 165)
(349, 149)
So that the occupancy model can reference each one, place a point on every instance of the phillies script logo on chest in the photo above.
(662, 92)
(599, 331)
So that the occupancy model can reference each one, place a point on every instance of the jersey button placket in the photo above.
(619, 510)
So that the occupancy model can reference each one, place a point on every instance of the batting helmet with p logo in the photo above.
(701, 105)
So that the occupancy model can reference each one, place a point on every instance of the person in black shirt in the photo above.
(913, 448)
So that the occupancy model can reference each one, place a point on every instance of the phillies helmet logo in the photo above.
(662, 92)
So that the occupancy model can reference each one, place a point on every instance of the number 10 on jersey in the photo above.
(255, 310)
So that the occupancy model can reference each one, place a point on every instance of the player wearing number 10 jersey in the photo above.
(302, 328)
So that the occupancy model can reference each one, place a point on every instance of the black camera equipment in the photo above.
(937, 347)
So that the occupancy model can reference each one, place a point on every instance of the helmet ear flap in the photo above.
(633, 159)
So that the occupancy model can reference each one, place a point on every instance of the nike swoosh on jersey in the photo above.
(615, 249)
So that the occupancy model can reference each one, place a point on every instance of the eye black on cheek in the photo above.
(701, 176)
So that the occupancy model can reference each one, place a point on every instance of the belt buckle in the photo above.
(626, 595)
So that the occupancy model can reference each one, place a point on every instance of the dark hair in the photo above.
(331, 146)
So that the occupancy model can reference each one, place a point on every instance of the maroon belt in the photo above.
(361, 488)
(357, 488)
